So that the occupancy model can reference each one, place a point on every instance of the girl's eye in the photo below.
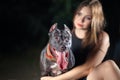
(88, 18)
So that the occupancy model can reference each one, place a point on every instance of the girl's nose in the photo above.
(81, 19)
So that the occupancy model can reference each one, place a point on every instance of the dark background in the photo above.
(24, 25)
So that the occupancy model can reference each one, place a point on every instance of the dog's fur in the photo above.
(57, 57)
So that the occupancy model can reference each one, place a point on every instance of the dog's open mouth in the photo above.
(60, 57)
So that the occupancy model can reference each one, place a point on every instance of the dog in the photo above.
(57, 58)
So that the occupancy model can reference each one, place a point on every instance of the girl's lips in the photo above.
(80, 25)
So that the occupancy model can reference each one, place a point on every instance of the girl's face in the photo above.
(83, 18)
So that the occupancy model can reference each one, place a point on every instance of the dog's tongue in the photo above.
(62, 59)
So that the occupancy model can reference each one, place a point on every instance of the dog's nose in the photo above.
(63, 48)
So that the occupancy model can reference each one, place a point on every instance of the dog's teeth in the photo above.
(54, 65)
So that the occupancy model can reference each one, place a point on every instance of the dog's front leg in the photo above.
(43, 63)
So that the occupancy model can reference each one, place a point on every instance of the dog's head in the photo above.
(60, 39)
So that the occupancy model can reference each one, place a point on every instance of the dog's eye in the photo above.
(66, 38)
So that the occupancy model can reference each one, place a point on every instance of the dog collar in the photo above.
(49, 55)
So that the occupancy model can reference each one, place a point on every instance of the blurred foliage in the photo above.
(62, 11)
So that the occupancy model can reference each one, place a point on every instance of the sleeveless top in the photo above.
(80, 54)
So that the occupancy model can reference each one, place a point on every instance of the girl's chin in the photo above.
(82, 28)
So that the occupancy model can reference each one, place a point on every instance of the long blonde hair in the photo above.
(97, 23)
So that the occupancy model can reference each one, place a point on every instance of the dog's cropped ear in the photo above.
(53, 27)
(66, 27)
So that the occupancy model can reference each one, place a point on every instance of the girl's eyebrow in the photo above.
(89, 15)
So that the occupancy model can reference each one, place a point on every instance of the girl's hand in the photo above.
(47, 78)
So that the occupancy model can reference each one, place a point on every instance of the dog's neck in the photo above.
(49, 55)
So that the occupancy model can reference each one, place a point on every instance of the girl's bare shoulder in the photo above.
(105, 37)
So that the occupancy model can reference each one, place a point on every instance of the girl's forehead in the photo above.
(86, 10)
